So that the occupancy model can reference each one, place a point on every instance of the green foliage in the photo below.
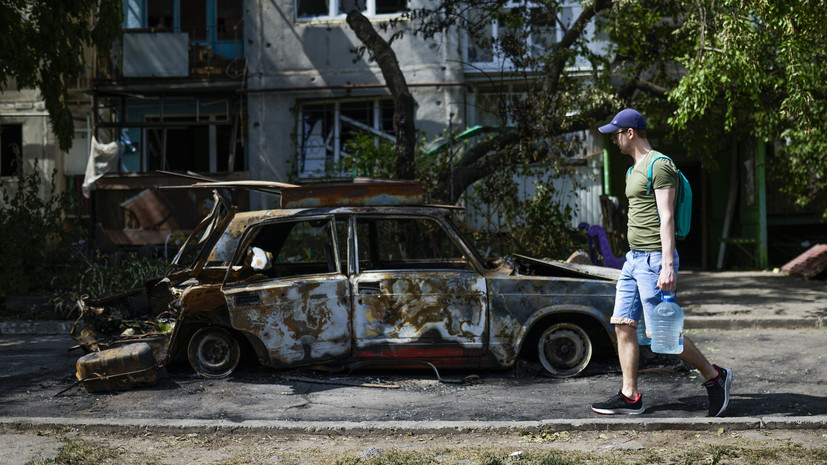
(712, 72)
(536, 224)
(37, 256)
(756, 69)
(35, 240)
(103, 274)
(369, 156)
(42, 45)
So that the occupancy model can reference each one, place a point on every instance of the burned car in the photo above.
(346, 274)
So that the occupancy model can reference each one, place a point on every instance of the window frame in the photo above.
(334, 15)
(248, 238)
(467, 255)
(336, 133)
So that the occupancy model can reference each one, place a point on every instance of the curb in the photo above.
(39, 328)
(57, 327)
(757, 323)
(427, 427)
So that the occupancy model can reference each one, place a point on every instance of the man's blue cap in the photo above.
(627, 118)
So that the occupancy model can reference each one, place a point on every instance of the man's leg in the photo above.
(718, 380)
(626, 314)
(694, 357)
(628, 351)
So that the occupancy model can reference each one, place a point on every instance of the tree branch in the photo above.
(559, 59)
(403, 102)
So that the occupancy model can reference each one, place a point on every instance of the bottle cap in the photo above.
(669, 296)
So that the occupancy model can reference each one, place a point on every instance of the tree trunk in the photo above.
(403, 102)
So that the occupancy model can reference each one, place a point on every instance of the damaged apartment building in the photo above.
(259, 89)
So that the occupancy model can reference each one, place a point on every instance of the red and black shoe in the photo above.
(620, 405)
(718, 391)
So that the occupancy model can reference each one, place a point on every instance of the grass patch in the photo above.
(396, 457)
(79, 453)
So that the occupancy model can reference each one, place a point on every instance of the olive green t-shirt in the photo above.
(644, 225)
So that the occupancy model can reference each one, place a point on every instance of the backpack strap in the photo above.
(649, 174)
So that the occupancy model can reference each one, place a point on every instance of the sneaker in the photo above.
(620, 405)
(718, 390)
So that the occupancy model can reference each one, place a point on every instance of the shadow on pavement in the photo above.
(752, 405)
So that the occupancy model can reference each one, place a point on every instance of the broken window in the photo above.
(11, 146)
(326, 128)
(338, 9)
(289, 248)
(495, 43)
(406, 243)
(189, 134)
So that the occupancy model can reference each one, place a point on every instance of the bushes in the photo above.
(35, 241)
(37, 255)
(103, 274)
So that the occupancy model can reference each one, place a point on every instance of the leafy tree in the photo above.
(42, 46)
(756, 68)
(712, 69)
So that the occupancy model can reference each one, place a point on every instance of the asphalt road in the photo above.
(777, 373)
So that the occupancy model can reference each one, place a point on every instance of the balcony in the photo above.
(148, 54)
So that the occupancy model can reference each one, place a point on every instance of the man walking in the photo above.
(651, 266)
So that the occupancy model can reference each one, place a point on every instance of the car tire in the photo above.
(564, 350)
(213, 352)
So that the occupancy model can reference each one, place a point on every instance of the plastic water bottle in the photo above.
(642, 338)
(667, 326)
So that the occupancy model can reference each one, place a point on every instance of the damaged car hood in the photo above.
(573, 270)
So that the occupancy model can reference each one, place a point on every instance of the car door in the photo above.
(288, 289)
(416, 294)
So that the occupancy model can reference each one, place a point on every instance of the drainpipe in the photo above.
(760, 155)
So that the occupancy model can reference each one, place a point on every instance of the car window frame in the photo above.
(448, 228)
(247, 238)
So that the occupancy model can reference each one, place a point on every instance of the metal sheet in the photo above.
(369, 194)
(299, 321)
(422, 314)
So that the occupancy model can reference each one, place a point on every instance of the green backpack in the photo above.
(683, 203)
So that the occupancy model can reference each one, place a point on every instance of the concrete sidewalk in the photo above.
(712, 300)
(751, 299)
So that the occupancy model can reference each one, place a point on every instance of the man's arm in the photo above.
(665, 198)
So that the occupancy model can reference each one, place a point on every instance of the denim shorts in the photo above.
(637, 289)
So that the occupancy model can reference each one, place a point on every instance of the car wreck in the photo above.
(348, 274)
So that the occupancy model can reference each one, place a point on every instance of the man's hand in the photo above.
(667, 280)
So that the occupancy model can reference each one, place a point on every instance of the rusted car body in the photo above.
(392, 282)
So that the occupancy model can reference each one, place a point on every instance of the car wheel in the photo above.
(564, 350)
(213, 352)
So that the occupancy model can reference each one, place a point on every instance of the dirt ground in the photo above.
(690, 447)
